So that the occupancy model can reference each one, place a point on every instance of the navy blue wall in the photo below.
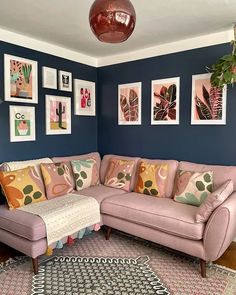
(207, 144)
(84, 129)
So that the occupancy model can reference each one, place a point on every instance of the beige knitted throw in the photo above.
(66, 215)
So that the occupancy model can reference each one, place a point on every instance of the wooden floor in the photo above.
(228, 259)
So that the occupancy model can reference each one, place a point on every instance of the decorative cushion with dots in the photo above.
(85, 172)
(193, 187)
(22, 187)
(119, 173)
(152, 179)
(57, 179)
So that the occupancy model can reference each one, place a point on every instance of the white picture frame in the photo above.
(130, 92)
(84, 98)
(65, 81)
(164, 112)
(20, 79)
(58, 115)
(205, 107)
(22, 123)
(49, 78)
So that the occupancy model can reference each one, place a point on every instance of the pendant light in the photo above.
(112, 21)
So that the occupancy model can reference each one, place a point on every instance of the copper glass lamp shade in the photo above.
(112, 21)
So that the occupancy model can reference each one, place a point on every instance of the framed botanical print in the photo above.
(49, 77)
(85, 98)
(208, 102)
(165, 102)
(129, 104)
(58, 115)
(21, 79)
(22, 123)
(65, 81)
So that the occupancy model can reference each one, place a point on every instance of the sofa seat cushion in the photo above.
(23, 224)
(159, 213)
(100, 192)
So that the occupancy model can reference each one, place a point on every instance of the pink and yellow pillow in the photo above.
(119, 173)
(57, 179)
(152, 179)
(22, 187)
(85, 172)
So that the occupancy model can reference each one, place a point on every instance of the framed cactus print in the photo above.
(129, 103)
(22, 123)
(85, 98)
(165, 102)
(21, 79)
(58, 115)
(208, 102)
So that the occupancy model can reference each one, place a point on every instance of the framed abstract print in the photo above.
(22, 123)
(21, 79)
(58, 115)
(49, 78)
(208, 102)
(165, 101)
(85, 98)
(129, 104)
(65, 81)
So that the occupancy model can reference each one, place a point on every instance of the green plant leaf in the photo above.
(83, 174)
(148, 183)
(79, 183)
(37, 195)
(154, 192)
(28, 189)
(27, 200)
(200, 186)
(120, 175)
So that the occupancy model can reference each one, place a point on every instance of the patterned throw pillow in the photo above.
(193, 187)
(86, 173)
(22, 187)
(57, 179)
(152, 179)
(119, 173)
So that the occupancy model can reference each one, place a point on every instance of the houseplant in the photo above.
(224, 70)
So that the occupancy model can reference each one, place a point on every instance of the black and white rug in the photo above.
(73, 275)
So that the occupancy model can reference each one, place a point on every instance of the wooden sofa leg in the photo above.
(108, 233)
(35, 265)
(203, 268)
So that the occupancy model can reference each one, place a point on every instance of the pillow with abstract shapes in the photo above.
(86, 173)
(119, 173)
(193, 187)
(57, 179)
(214, 200)
(152, 179)
(22, 187)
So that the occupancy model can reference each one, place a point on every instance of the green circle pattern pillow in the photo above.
(193, 187)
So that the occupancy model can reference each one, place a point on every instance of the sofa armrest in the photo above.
(220, 229)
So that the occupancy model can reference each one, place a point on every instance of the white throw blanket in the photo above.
(66, 215)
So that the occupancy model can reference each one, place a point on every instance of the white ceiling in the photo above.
(65, 22)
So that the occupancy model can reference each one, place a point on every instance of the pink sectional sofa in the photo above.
(161, 220)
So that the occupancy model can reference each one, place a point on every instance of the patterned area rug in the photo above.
(96, 275)
(177, 272)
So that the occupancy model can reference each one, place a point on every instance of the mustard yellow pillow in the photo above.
(22, 187)
(152, 179)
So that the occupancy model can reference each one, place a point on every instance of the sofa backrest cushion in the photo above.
(93, 155)
(105, 163)
(220, 173)
(172, 168)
